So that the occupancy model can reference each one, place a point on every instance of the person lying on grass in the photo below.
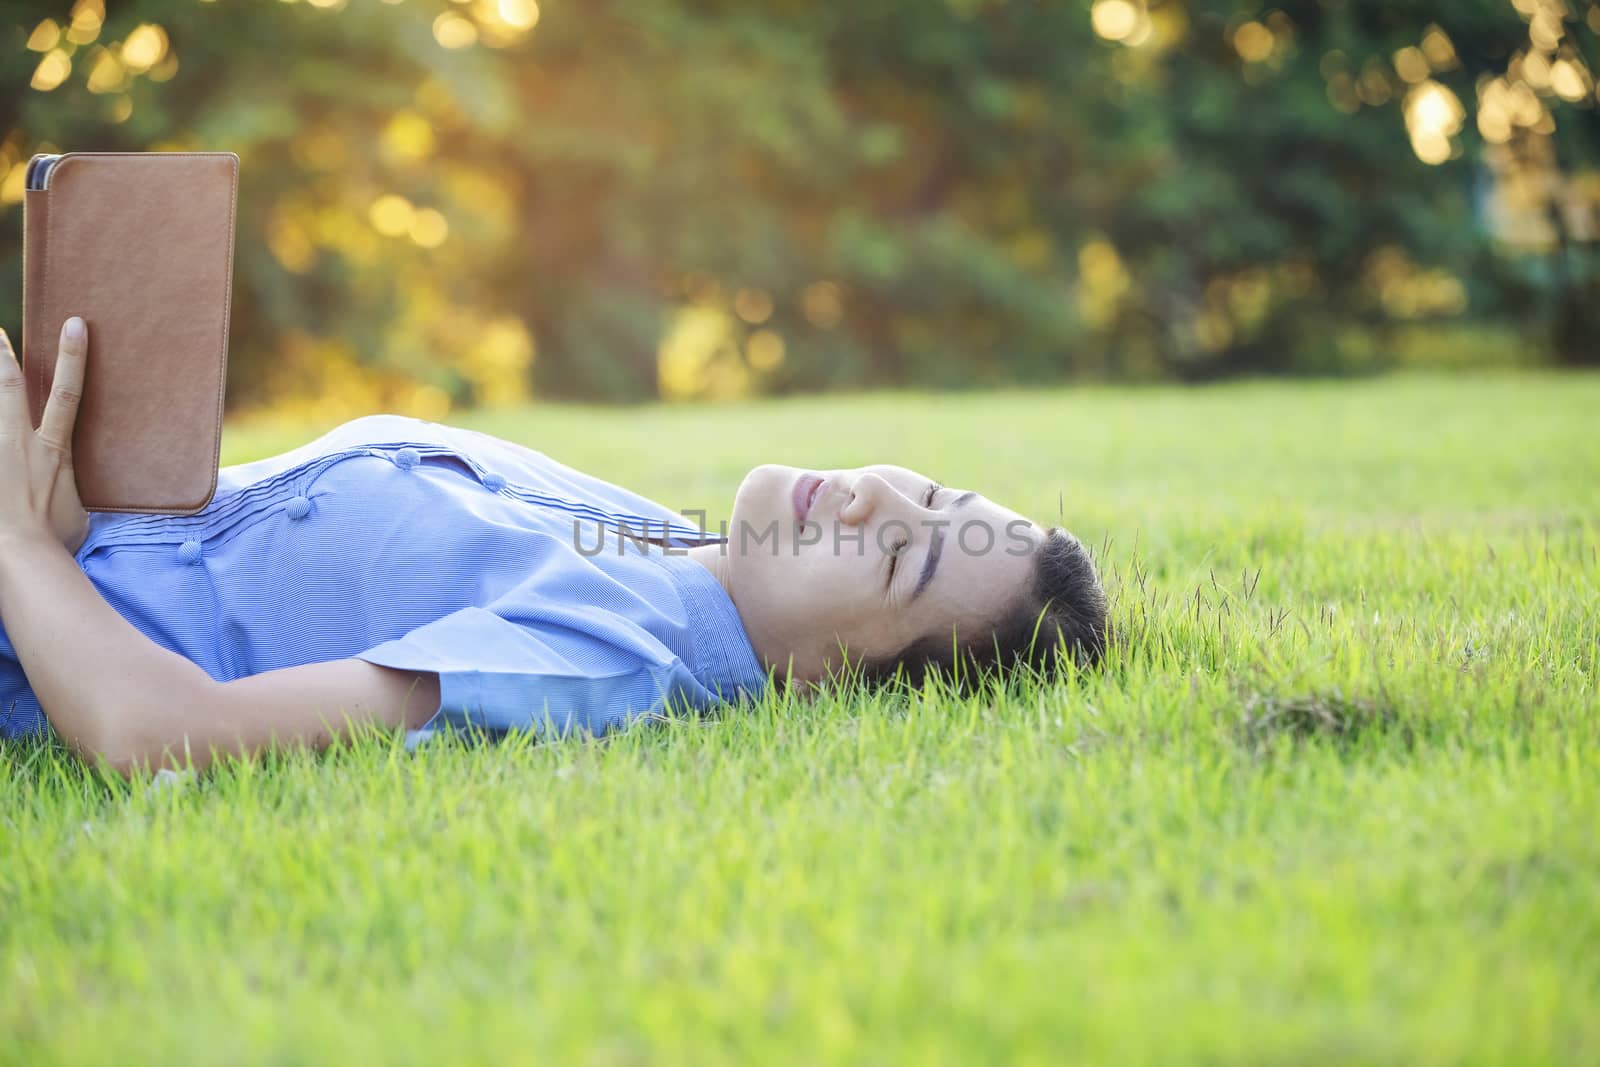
(409, 574)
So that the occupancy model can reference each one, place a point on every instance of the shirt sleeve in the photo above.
(501, 670)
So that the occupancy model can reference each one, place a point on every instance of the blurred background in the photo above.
(470, 204)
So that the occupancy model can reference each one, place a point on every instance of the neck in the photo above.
(772, 654)
(714, 558)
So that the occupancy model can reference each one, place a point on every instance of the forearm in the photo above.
(83, 659)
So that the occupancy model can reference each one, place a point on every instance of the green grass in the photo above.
(1335, 800)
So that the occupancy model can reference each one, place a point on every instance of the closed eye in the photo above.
(904, 543)
(894, 558)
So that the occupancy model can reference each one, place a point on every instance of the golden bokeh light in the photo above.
(753, 306)
(392, 215)
(454, 31)
(87, 18)
(1373, 85)
(1525, 106)
(1570, 79)
(45, 36)
(1169, 26)
(519, 14)
(502, 23)
(52, 70)
(1115, 20)
(408, 136)
(1494, 110)
(1545, 29)
(1342, 93)
(1335, 68)
(1433, 116)
(429, 228)
(13, 185)
(764, 350)
(106, 72)
(1143, 30)
(1439, 49)
(1253, 41)
(1533, 68)
(1494, 127)
(145, 47)
(164, 70)
(1411, 64)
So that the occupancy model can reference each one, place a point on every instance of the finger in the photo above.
(13, 393)
(61, 410)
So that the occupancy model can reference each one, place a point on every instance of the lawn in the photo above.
(1334, 799)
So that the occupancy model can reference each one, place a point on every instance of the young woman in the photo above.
(405, 573)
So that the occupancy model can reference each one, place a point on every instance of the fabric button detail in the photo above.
(189, 552)
(494, 482)
(297, 507)
(407, 458)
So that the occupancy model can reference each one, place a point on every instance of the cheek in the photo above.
(837, 585)
(813, 587)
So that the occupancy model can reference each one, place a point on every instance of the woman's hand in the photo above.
(38, 493)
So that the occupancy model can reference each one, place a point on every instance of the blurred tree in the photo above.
(1284, 202)
(450, 202)
(1536, 113)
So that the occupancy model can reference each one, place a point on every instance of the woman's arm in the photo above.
(112, 693)
(109, 691)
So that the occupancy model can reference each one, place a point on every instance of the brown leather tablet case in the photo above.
(140, 245)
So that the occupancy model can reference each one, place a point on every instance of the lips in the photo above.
(807, 488)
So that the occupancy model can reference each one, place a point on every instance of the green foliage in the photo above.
(994, 192)
(1332, 800)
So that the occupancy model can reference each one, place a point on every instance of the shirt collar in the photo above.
(725, 661)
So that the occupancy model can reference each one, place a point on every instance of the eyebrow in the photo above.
(936, 548)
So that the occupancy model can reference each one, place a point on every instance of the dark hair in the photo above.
(1062, 611)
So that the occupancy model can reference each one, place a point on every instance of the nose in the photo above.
(867, 494)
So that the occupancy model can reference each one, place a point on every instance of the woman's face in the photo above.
(870, 559)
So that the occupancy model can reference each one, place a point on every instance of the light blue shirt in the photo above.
(426, 547)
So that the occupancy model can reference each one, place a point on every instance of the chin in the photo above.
(762, 496)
